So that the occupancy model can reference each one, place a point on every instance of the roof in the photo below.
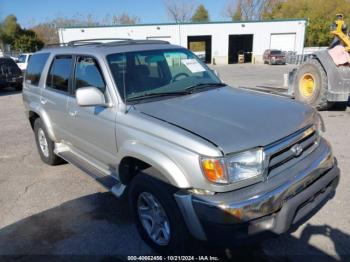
(110, 47)
(190, 23)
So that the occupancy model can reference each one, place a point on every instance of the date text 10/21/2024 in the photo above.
(173, 258)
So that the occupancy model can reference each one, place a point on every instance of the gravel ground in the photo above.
(60, 211)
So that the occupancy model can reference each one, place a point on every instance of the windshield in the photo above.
(21, 59)
(141, 73)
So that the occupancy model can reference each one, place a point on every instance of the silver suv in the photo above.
(195, 157)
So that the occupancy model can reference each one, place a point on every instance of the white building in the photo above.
(221, 41)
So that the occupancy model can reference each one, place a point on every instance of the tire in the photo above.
(142, 185)
(318, 97)
(47, 154)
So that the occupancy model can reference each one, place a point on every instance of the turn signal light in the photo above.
(214, 170)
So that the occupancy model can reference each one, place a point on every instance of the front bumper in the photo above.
(273, 206)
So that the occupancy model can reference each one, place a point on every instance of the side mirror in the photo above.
(90, 96)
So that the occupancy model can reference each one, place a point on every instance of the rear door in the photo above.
(92, 129)
(55, 94)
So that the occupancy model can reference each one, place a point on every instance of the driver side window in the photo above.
(88, 73)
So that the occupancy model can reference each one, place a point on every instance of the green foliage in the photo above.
(9, 29)
(201, 15)
(320, 15)
(27, 42)
(19, 39)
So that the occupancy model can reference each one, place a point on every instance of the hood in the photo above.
(233, 119)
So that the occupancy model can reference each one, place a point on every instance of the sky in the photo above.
(31, 12)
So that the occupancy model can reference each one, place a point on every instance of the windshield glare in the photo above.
(158, 71)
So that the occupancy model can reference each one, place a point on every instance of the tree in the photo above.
(17, 38)
(179, 11)
(320, 15)
(237, 16)
(27, 41)
(46, 32)
(9, 29)
(201, 14)
(125, 19)
(246, 9)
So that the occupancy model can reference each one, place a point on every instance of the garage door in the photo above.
(284, 42)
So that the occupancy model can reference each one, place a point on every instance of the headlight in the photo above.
(245, 165)
(234, 168)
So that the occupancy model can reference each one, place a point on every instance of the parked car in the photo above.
(195, 157)
(274, 57)
(10, 74)
(22, 60)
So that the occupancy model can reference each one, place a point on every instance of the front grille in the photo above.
(280, 153)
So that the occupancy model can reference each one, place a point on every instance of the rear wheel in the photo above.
(45, 145)
(311, 85)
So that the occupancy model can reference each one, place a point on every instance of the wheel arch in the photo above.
(34, 114)
(139, 157)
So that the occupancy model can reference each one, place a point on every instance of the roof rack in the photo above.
(54, 45)
(101, 42)
(134, 42)
(94, 41)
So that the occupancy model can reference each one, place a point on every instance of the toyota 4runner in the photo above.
(195, 157)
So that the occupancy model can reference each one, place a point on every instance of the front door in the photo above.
(92, 128)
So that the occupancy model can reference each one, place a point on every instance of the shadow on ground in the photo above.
(100, 225)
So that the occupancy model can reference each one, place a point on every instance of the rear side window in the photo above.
(59, 75)
(35, 67)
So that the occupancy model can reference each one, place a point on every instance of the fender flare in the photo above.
(168, 170)
(45, 119)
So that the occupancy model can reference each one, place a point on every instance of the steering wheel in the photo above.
(177, 76)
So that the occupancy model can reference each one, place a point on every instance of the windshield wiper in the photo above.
(203, 85)
(152, 95)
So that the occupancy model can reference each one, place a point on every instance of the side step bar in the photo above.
(106, 180)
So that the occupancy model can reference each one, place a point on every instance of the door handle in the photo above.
(43, 101)
(73, 113)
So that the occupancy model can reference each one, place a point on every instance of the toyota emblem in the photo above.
(297, 149)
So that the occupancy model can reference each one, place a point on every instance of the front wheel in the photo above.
(158, 219)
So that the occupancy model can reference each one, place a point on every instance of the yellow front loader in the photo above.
(319, 81)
